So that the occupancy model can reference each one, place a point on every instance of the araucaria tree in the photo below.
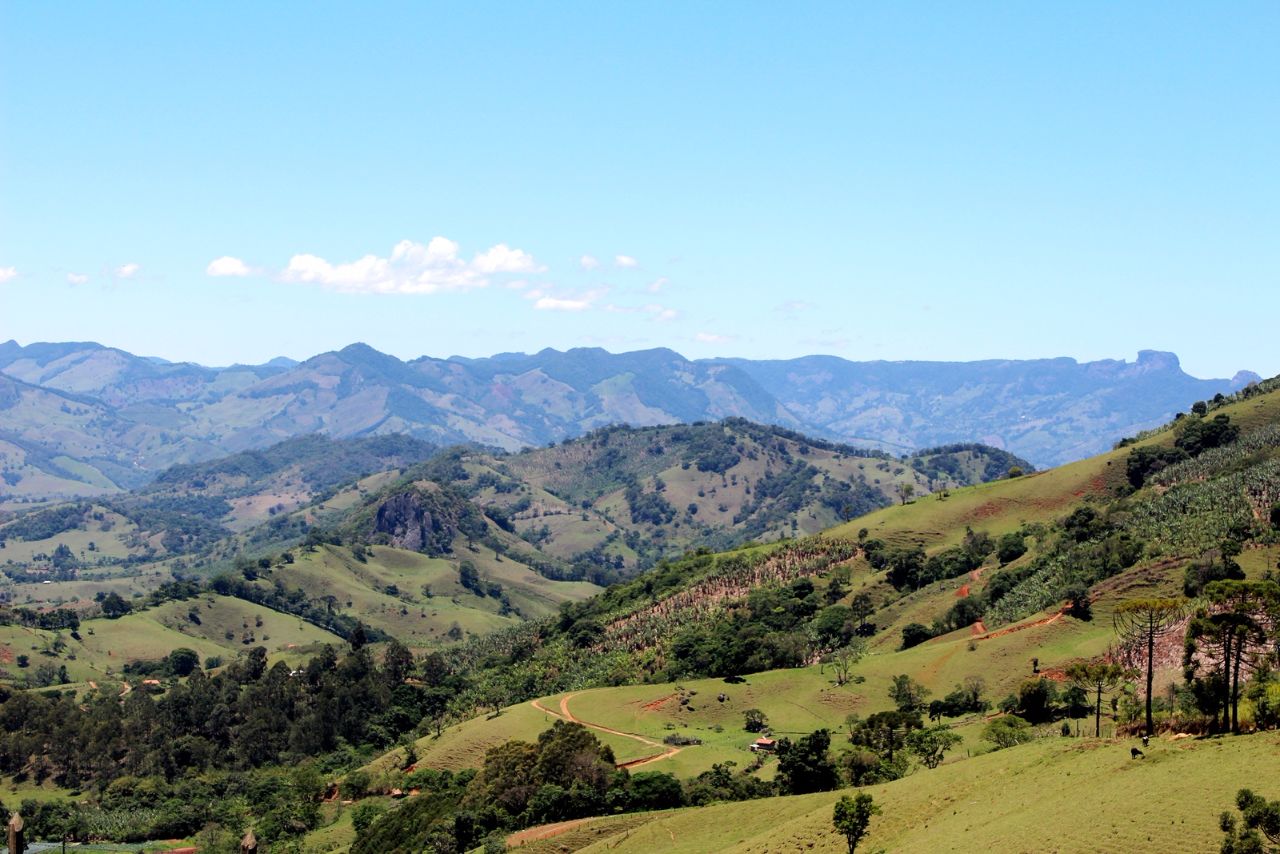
(1140, 623)
(1260, 819)
(1230, 634)
(1098, 677)
(852, 816)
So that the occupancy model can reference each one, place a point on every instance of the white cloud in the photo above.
(126, 271)
(625, 261)
(544, 301)
(77, 278)
(792, 306)
(657, 285)
(503, 259)
(412, 268)
(713, 338)
(227, 266)
(7, 273)
(589, 262)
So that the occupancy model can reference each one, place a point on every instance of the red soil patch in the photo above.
(1053, 674)
(656, 705)
(6, 655)
(963, 591)
(986, 511)
(1045, 621)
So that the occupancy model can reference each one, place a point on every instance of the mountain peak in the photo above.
(1158, 360)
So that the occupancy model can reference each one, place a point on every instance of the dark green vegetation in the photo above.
(80, 419)
(141, 753)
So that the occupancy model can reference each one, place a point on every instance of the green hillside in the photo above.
(1040, 564)
(1051, 795)
(620, 498)
(410, 631)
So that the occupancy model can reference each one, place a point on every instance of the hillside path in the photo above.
(981, 633)
(565, 715)
(543, 831)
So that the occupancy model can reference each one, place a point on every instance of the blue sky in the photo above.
(888, 181)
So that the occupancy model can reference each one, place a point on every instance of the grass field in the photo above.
(105, 646)
(389, 590)
(1051, 795)
(795, 701)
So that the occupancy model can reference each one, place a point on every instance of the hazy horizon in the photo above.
(621, 351)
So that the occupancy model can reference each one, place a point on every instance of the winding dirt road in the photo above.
(565, 715)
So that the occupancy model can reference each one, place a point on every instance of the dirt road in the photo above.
(667, 751)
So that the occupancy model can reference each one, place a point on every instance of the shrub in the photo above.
(1007, 731)
(363, 815)
(914, 634)
(1011, 547)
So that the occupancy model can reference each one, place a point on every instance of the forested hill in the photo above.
(618, 499)
(83, 419)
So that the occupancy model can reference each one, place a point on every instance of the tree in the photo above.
(1260, 818)
(843, 659)
(929, 745)
(1099, 677)
(905, 491)
(655, 790)
(863, 607)
(397, 663)
(183, 661)
(1229, 634)
(114, 606)
(358, 637)
(806, 765)
(852, 816)
(883, 732)
(1140, 623)
(908, 694)
(914, 634)
(1011, 547)
(755, 720)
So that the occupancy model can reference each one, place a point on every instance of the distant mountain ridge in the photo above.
(80, 418)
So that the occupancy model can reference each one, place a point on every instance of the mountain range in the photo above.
(83, 419)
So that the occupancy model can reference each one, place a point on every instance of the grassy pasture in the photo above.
(1051, 795)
